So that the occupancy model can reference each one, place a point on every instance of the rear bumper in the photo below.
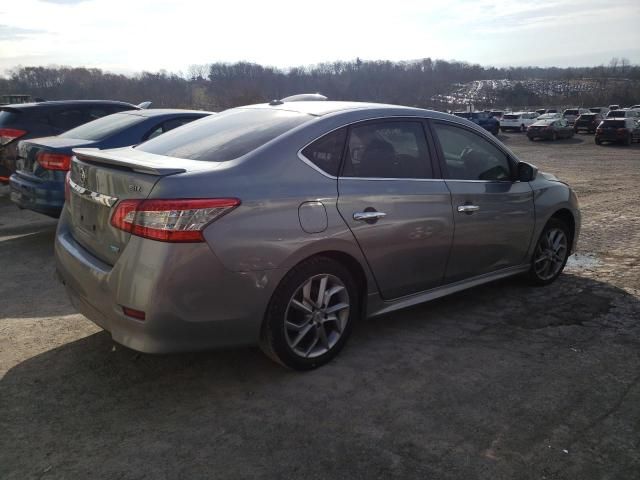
(544, 134)
(44, 197)
(191, 302)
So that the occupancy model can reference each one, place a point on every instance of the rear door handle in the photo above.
(468, 208)
(368, 216)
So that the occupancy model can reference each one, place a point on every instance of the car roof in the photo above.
(320, 108)
(156, 112)
(55, 103)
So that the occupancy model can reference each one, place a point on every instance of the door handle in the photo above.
(368, 216)
(468, 208)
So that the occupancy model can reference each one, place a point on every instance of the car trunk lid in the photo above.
(99, 179)
(29, 151)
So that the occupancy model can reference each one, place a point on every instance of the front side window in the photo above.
(325, 153)
(68, 118)
(469, 156)
(388, 150)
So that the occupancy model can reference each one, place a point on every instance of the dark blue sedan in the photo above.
(42, 163)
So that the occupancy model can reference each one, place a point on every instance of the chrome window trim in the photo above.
(95, 197)
(332, 177)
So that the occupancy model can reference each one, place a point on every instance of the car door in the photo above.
(398, 210)
(493, 214)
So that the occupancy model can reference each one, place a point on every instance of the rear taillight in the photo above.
(54, 161)
(133, 313)
(10, 134)
(623, 131)
(170, 220)
(67, 186)
(599, 130)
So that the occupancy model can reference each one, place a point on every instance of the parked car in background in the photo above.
(38, 183)
(518, 121)
(614, 107)
(601, 110)
(618, 130)
(587, 122)
(329, 230)
(542, 111)
(16, 98)
(483, 119)
(32, 120)
(570, 114)
(634, 107)
(623, 113)
(547, 116)
(497, 114)
(550, 129)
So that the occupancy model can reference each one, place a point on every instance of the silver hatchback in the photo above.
(282, 224)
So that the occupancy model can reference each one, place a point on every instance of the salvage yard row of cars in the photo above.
(550, 124)
(281, 224)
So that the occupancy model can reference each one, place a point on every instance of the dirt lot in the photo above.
(501, 382)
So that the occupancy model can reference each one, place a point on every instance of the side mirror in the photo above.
(527, 172)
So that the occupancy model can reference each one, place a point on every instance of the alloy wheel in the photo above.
(316, 316)
(551, 253)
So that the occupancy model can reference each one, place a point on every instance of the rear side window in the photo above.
(225, 136)
(103, 127)
(470, 157)
(325, 153)
(387, 150)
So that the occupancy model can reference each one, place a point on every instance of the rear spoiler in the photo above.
(144, 105)
(142, 164)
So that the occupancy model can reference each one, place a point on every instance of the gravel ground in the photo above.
(504, 381)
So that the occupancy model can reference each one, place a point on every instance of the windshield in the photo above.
(571, 112)
(225, 136)
(103, 127)
(511, 117)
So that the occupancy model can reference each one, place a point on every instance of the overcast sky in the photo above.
(134, 35)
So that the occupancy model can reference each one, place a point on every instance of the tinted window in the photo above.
(68, 118)
(325, 153)
(571, 112)
(103, 127)
(511, 117)
(7, 117)
(169, 125)
(614, 124)
(388, 150)
(470, 157)
(225, 136)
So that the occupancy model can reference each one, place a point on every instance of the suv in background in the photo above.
(623, 113)
(44, 119)
(587, 122)
(518, 121)
(623, 130)
(570, 114)
(614, 107)
(601, 110)
(483, 119)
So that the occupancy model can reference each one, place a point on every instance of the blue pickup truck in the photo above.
(484, 119)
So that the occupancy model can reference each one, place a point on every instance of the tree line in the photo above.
(218, 86)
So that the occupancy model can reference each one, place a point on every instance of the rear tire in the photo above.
(598, 141)
(551, 253)
(629, 140)
(304, 328)
(523, 128)
(554, 136)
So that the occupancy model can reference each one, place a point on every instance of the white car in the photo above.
(624, 113)
(518, 121)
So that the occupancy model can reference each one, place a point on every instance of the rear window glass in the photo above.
(587, 116)
(615, 123)
(225, 136)
(511, 117)
(571, 112)
(7, 117)
(103, 127)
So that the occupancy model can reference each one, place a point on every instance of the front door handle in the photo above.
(368, 216)
(468, 208)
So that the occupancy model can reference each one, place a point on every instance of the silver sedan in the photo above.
(282, 224)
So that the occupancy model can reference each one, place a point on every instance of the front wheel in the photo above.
(311, 314)
(551, 253)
